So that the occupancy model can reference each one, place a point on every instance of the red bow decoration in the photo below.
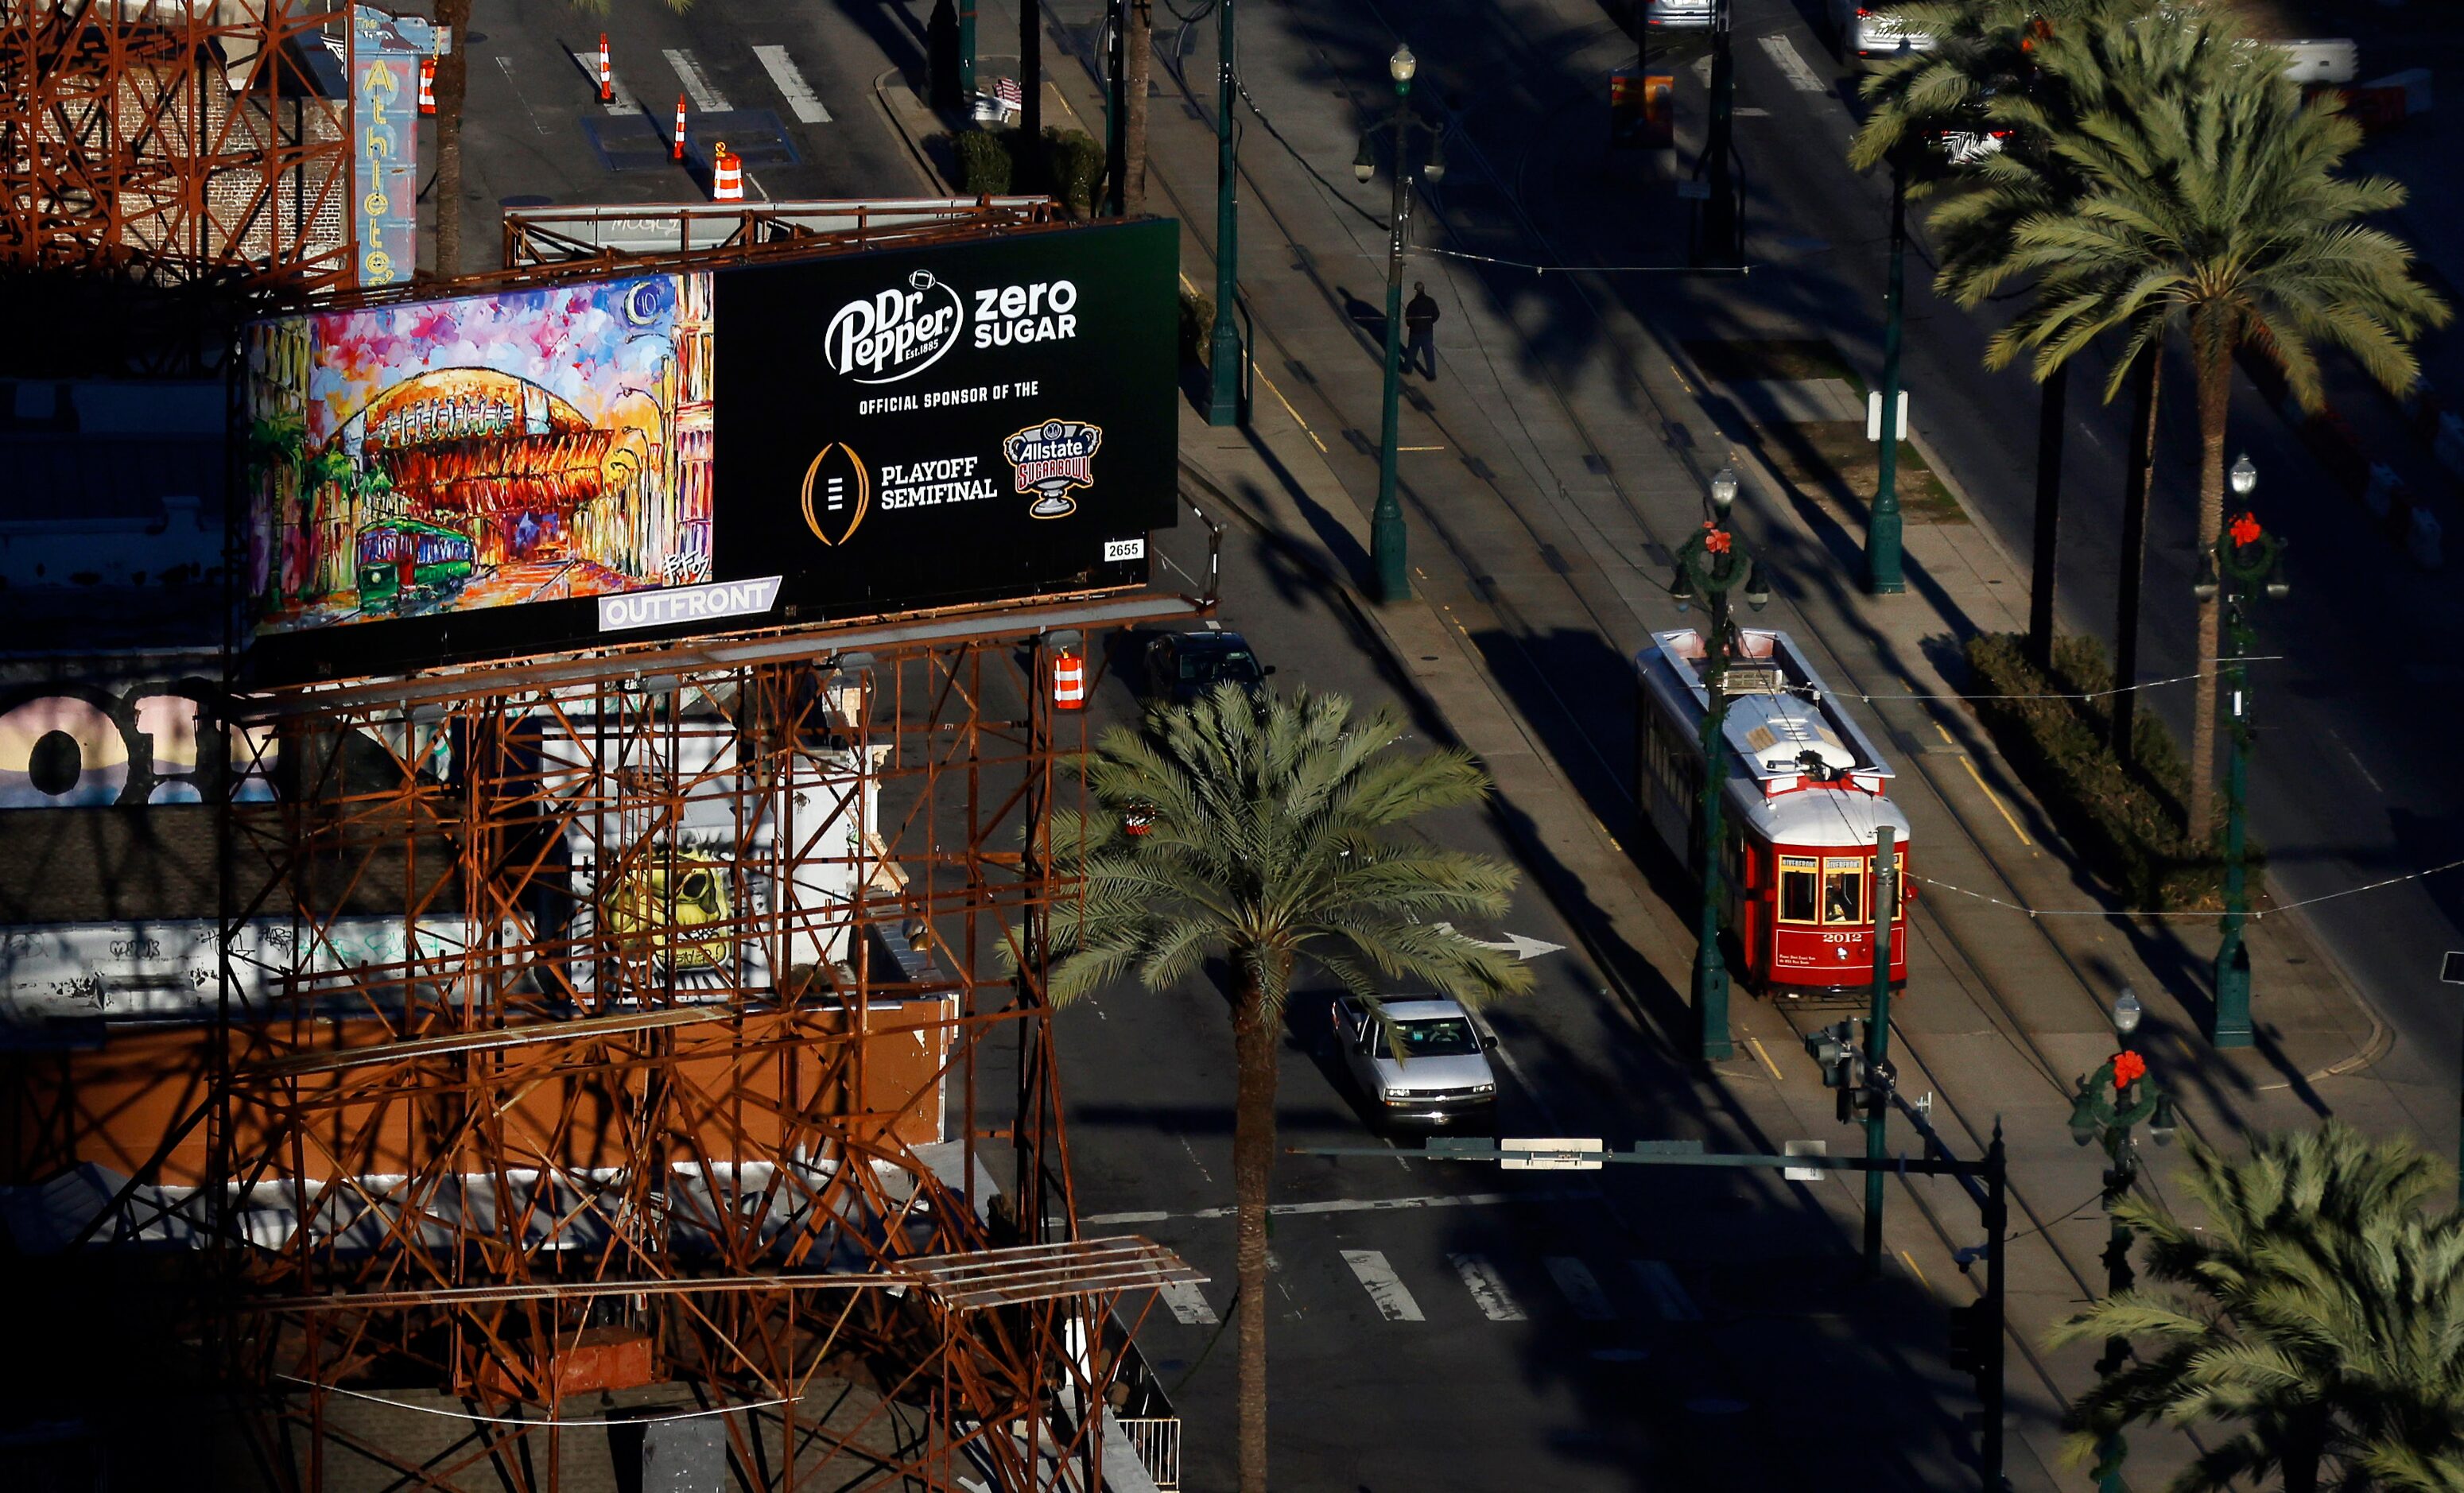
(2128, 1069)
(1715, 539)
(2244, 530)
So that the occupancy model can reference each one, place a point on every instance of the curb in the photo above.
(925, 169)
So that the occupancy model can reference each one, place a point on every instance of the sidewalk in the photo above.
(1528, 554)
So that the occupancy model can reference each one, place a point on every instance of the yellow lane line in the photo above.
(1295, 413)
(1756, 1043)
(2007, 817)
(1912, 1265)
(1419, 447)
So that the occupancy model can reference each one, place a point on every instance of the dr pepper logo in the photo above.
(1051, 459)
(896, 334)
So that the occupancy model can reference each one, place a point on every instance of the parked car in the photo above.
(1419, 1060)
(1186, 665)
(1867, 34)
(1677, 15)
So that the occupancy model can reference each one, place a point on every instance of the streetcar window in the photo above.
(1843, 891)
(1798, 890)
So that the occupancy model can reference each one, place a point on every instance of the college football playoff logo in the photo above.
(837, 494)
(1051, 459)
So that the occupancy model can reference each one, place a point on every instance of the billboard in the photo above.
(384, 55)
(543, 470)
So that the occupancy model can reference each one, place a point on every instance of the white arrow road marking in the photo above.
(697, 86)
(1189, 1305)
(1385, 1286)
(1703, 71)
(1799, 76)
(1581, 1288)
(802, 101)
(1488, 1288)
(1667, 1294)
(1515, 944)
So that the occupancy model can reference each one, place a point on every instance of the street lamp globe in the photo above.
(2244, 476)
(2127, 1012)
(1402, 65)
(1364, 162)
(1724, 489)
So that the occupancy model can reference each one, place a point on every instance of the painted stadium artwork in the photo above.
(448, 456)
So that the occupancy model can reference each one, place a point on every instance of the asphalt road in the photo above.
(788, 87)
(1457, 1327)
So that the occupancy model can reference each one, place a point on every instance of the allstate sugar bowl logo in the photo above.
(896, 334)
(1051, 459)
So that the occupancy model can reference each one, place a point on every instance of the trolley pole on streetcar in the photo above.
(1877, 1041)
(2243, 566)
(1710, 566)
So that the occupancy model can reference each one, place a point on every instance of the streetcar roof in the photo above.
(1781, 717)
(1820, 819)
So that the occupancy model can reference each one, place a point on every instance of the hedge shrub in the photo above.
(986, 160)
(2126, 821)
(1073, 163)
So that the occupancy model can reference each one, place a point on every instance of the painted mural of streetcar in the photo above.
(1806, 792)
(404, 561)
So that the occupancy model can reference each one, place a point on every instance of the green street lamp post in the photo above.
(1386, 542)
(1883, 574)
(1223, 351)
(1879, 1076)
(2245, 565)
(2116, 1098)
(966, 53)
(1722, 240)
(1710, 566)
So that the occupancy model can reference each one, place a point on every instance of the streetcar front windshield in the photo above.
(1843, 891)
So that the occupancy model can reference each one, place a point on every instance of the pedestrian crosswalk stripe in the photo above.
(1488, 1288)
(802, 102)
(1800, 76)
(1385, 1286)
(697, 85)
(1580, 1287)
(1667, 1294)
(1188, 1305)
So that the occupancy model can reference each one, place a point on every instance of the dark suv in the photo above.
(1186, 665)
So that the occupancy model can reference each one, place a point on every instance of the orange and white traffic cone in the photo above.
(427, 85)
(606, 73)
(680, 127)
(726, 174)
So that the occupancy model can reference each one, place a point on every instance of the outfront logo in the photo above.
(1051, 459)
(838, 493)
(896, 334)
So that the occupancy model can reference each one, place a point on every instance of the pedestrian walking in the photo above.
(1420, 316)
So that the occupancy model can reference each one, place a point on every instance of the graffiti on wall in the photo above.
(448, 456)
(75, 745)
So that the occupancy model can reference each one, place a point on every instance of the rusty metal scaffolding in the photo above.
(589, 1026)
(171, 140)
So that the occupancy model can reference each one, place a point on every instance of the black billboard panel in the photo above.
(668, 455)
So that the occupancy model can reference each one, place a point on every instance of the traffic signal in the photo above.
(1834, 1047)
(1975, 1347)
(1970, 1352)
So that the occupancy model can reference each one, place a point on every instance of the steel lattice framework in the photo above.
(606, 1010)
(174, 141)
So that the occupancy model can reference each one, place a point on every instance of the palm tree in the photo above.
(2211, 205)
(452, 87)
(1981, 50)
(2324, 1321)
(1137, 64)
(1272, 833)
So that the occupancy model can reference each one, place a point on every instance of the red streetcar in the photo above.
(1806, 792)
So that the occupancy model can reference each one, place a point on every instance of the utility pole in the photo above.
(1223, 355)
(1710, 566)
(1878, 1040)
(1723, 215)
(966, 53)
(1387, 538)
(1883, 569)
(2245, 563)
(1030, 76)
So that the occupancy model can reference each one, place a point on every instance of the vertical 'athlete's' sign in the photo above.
(385, 51)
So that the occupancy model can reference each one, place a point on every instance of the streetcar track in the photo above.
(1516, 631)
